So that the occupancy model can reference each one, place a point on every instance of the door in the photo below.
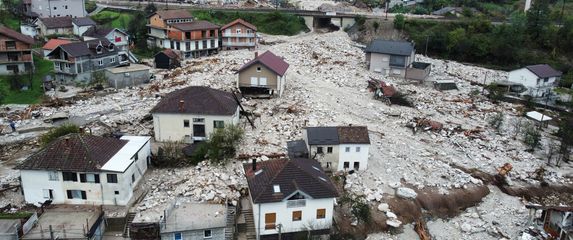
(254, 81)
(199, 130)
(263, 81)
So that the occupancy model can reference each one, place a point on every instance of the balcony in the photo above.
(296, 203)
(238, 44)
(22, 58)
(248, 35)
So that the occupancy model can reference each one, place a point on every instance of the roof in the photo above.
(54, 43)
(57, 22)
(205, 216)
(123, 158)
(195, 25)
(97, 32)
(240, 21)
(445, 10)
(299, 174)
(76, 49)
(537, 116)
(337, 135)
(269, 60)
(297, 149)
(543, 70)
(74, 152)
(83, 21)
(401, 48)
(134, 67)
(169, 53)
(174, 14)
(16, 35)
(198, 100)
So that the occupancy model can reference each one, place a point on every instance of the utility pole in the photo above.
(280, 228)
(51, 233)
(386, 18)
(427, 40)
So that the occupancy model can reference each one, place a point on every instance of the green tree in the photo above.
(531, 137)
(360, 209)
(138, 30)
(3, 93)
(55, 133)
(399, 21)
(150, 9)
(375, 25)
(538, 18)
(567, 79)
(565, 135)
(496, 121)
(222, 144)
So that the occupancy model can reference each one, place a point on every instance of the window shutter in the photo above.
(82, 177)
(96, 176)
(69, 192)
(84, 195)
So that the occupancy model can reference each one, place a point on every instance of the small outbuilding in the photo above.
(167, 59)
(539, 118)
(444, 85)
(128, 76)
(418, 71)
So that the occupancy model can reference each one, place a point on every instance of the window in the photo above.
(212, 33)
(116, 192)
(136, 156)
(178, 45)
(238, 31)
(270, 220)
(320, 213)
(249, 31)
(329, 149)
(196, 45)
(111, 178)
(212, 43)
(218, 124)
(277, 188)
(258, 69)
(198, 120)
(48, 193)
(546, 80)
(89, 177)
(296, 216)
(13, 68)
(98, 49)
(207, 234)
(346, 165)
(177, 236)
(53, 176)
(76, 194)
(10, 45)
(357, 149)
(66, 6)
(132, 178)
(328, 165)
(55, 8)
(204, 44)
(112, 60)
(186, 123)
(356, 165)
(187, 46)
(70, 176)
(319, 150)
(347, 149)
(100, 62)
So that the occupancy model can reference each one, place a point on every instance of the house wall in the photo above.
(169, 127)
(28, 30)
(58, 8)
(246, 75)
(326, 158)
(231, 39)
(536, 86)
(156, 21)
(122, 80)
(79, 30)
(379, 62)
(216, 233)
(123, 43)
(22, 67)
(35, 181)
(352, 156)
(284, 216)
(155, 32)
(19, 45)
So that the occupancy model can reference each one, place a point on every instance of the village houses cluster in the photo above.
(286, 196)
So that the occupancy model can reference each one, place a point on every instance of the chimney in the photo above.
(254, 164)
(181, 105)
(256, 54)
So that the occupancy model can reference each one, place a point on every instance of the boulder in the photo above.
(406, 193)
(383, 207)
(393, 223)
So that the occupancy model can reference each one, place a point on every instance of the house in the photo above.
(117, 36)
(338, 148)
(53, 44)
(15, 52)
(555, 221)
(193, 113)
(81, 25)
(66, 222)
(176, 29)
(54, 25)
(78, 61)
(58, 8)
(539, 79)
(540, 119)
(167, 59)
(85, 169)
(390, 57)
(264, 75)
(238, 34)
(291, 196)
(209, 221)
(128, 76)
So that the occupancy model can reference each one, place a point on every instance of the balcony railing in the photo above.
(238, 44)
(238, 34)
(296, 203)
(23, 58)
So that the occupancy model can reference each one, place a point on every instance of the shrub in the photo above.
(531, 137)
(496, 121)
(55, 133)
(221, 146)
(399, 21)
(360, 210)
(90, 6)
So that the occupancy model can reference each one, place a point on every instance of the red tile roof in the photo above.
(305, 175)
(16, 35)
(74, 152)
(241, 21)
(269, 60)
(54, 43)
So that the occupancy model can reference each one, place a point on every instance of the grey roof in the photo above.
(77, 49)
(543, 70)
(198, 100)
(195, 216)
(401, 48)
(322, 135)
(57, 22)
(83, 21)
(297, 149)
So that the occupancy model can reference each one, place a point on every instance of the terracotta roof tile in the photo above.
(54, 43)
(174, 14)
(337, 135)
(240, 21)
(16, 35)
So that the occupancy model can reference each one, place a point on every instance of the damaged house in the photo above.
(263, 76)
(555, 222)
(288, 196)
(338, 148)
(539, 79)
(193, 113)
(15, 52)
(390, 57)
(85, 169)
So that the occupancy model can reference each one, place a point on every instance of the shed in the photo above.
(127, 76)
(539, 118)
(443, 85)
(167, 59)
(418, 71)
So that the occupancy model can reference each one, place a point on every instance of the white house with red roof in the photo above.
(264, 76)
(539, 79)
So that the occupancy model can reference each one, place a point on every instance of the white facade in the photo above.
(284, 215)
(536, 86)
(117, 37)
(79, 30)
(29, 30)
(177, 127)
(128, 166)
(59, 8)
(355, 156)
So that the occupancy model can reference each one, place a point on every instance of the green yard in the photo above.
(33, 95)
(114, 19)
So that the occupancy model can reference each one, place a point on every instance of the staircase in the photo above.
(132, 57)
(128, 220)
(230, 229)
(250, 220)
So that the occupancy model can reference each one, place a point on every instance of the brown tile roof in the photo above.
(57, 22)
(337, 135)
(54, 43)
(198, 100)
(353, 135)
(16, 35)
(174, 14)
(543, 70)
(241, 21)
(269, 60)
(195, 25)
(170, 53)
(74, 152)
(294, 175)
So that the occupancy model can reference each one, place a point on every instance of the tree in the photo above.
(531, 137)
(222, 144)
(565, 135)
(360, 209)
(375, 25)
(55, 133)
(150, 9)
(567, 79)
(3, 93)
(496, 121)
(138, 30)
(538, 18)
(399, 22)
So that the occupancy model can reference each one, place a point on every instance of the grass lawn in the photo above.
(34, 95)
(114, 19)
(274, 23)
(16, 215)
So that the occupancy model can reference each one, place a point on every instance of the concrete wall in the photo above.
(251, 72)
(169, 127)
(284, 216)
(353, 156)
(122, 80)
(79, 30)
(58, 8)
(21, 68)
(326, 158)
(216, 234)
